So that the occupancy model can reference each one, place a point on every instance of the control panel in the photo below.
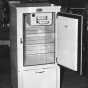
(41, 18)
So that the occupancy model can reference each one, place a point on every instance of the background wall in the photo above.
(4, 21)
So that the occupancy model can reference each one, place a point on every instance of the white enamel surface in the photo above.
(67, 41)
(27, 76)
(20, 12)
(41, 78)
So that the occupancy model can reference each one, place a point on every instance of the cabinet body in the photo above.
(42, 37)
(41, 78)
(32, 46)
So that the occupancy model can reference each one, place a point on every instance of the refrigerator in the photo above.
(43, 39)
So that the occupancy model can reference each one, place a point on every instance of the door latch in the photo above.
(21, 40)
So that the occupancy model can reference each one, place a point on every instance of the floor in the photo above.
(71, 80)
(5, 73)
(74, 80)
(5, 81)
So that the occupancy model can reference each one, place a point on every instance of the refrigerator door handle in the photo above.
(56, 60)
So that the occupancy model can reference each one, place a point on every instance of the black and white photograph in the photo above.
(43, 44)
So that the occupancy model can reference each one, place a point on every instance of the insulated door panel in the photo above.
(69, 41)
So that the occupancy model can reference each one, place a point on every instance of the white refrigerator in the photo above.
(42, 40)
